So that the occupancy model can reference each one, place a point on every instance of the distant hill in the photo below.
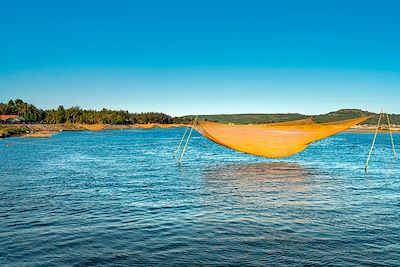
(251, 118)
(342, 114)
(258, 118)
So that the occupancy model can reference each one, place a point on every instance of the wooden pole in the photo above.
(187, 141)
(373, 142)
(180, 143)
(391, 136)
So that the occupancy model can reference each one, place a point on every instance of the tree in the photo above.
(60, 115)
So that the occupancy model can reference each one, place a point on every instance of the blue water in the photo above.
(118, 198)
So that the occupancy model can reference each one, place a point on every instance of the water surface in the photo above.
(119, 198)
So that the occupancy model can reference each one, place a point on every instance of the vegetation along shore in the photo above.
(36, 122)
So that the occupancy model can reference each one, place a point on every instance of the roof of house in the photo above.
(6, 117)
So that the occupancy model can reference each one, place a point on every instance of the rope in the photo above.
(391, 136)
(373, 142)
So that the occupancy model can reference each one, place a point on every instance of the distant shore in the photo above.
(372, 128)
(48, 130)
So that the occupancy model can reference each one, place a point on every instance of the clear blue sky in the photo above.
(202, 57)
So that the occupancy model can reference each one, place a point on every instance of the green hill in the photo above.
(342, 114)
(258, 118)
(251, 118)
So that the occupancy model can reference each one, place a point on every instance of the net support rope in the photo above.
(391, 136)
(180, 143)
(187, 141)
(373, 142)
(375, 135)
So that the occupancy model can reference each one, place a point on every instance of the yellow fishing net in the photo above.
(274, 140)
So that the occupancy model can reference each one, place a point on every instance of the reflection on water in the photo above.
(259, 176)
(258, 185)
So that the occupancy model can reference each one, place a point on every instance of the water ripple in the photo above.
(118, 198)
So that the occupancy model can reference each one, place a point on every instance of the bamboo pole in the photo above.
(180, 143)
(373, 142)
(391, 136)
(187, 141)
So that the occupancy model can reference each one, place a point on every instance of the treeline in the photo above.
(76, 115)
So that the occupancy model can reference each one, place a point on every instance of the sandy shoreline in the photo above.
(372, 128)
(48, 130)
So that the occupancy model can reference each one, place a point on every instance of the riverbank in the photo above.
(372, 128)
(12, 131)
(47, 130)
